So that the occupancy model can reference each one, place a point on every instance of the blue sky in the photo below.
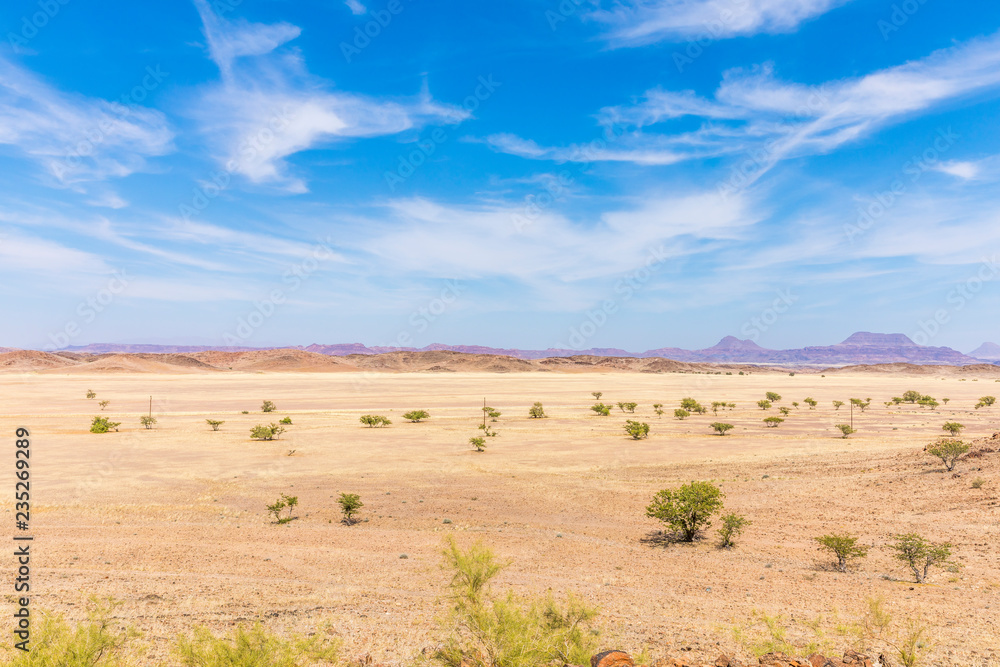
(636, 174)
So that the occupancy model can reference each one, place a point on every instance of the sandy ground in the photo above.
(172, 521)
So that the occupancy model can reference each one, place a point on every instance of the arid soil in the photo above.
(172, 520)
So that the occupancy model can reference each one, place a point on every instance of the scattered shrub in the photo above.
(949, 451)
(911, 396)
(688, 509)
(658, 409)
(986, 401)
(148, 421)
(845, 547)
(255, 647)
(374, 421)
(846, 429)
(784, 411)
(268, 432)
(978, 482)
(102, 425)
(861, 404)
(478, 443)
(285, 502)
(732, 526)
(103, 404)
(287, 421)
(490, 412)
(627, 406)
(415, 416)
(244, 412)
(681, 413)
(597, 395)
(772, 422)
(638, 430)
(764, 404)
(214, 423)
(601, 409)
(952, 427)
(811, 402)
(267, 406)
(90, 393)
(721, 428)
(536, 411)
(773, 397)
(350, 504)
(920, 555)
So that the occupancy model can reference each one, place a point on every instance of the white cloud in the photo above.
(267, 107)
(356, 7)
(638, 22)
(963, 170)
(29, 254)
(75, 138)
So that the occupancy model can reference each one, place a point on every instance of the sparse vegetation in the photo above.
(772, 422)
(147, 421)
(764, 404)
(716, 405)
(103, 425)
(861, 404)
(732, 526)
(658, 409)
(214, 423)
(681, 413)
(692, 405)
(627, 406)
(920, 555)
(772, 397)
(601, 409)
(91, 394)
(104, 404)
(536, 411)
(721, 428)
(285, 502)
(844, 547)
(266, 432)
(686, 510)
(986, 401)
(978, 482)
(784, 411)
(478, 443)
(267, 406)
(255, 647)
(811, 402)
(952, 427)
(374, 421)
(286, 420)
(490, 412)
(597, 395)
(949, 451)
(488, 431)
(638, 430)
(350, 505)
(846, 429)
(415, 416)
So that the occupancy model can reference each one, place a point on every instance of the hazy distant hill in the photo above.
(860, 348)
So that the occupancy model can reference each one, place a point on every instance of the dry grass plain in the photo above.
(172, 522)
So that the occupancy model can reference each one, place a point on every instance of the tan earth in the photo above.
(172, 520)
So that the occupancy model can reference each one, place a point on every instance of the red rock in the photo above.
(817, 660)
(725, 661)
(611, 659)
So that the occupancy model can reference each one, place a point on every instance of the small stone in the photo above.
(446, 521)
(404, 555)
(558, 534)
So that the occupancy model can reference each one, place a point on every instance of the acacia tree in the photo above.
(952, 427)
(920, 555)
(350, 504)
(845, 547)
(773, 397)
(415, 416)
(638, 430)
(721, 428)
(949, 451)
(686, 510)
(846, 429)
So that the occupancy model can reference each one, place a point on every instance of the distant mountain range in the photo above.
(859, 348)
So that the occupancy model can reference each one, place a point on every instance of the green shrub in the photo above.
(846, 429)
(721, 428)
(350, 504)
(214, 423)
(837, 405)
(637, 430)
(978, 482)
(658, 409)
(911, 396)
(267, 406)
(244, 412)
(102, 425)
(952, 427)
(986, 401)
(861, 404)
(90, 393)
(490, 412)
(255, 647)
(949, 451)
(536, 411)
(686, 510)
(627, 406)
(785, 411)
(478, 443)
(285, 502)
(268, 432)
(488, 431)
(811, 402)
(772, 397)
(772, 422)
(764, 404)
(681, 413)
(732, 526)
(415, 416)
(287, 421)
(374, 421)
(597, 395)
(601, 409)
(103, 404)
(148, 421)
(920, 555)
(845, 547)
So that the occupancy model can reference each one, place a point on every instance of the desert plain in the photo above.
(171, 521)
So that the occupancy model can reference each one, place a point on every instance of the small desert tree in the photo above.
(811, 402)
(627, 406)
(104, 404)
(732, 526)
(773, 397)
(266, 432)
(952, 427)
(267, 406)
(478, 443)
(911, 396)
(350, 504)
(597, 395)
(283, 503)
(536, 411)
(287, 421)
(214, 423)
(374, 421)
(716, 405)
(949, 451)
(846, 429)
(147, 421)
(772, 422)
(920, 555)
(845, 547)
(90, 393)
(721, 428)
(490, 412)
(784, 411)
(861, 404)
(638, 430)
(102, 425)
(681, 413)
(601, 409)
(986, 401)
(837, 405)
(764, 404)
(686, 510)
(416, 415)
(658, 409)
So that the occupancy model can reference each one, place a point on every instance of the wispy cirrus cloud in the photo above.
(267, 107)
(638, 22)
(77, 139)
